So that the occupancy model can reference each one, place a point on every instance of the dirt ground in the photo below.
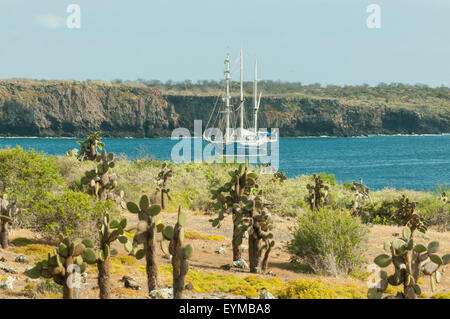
(205, 257)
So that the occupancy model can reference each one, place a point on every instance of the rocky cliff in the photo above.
(79, 108)
(296, 116)
(75, 109)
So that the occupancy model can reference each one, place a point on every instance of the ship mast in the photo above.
(242, 95)
(228, 97)
(256, 102)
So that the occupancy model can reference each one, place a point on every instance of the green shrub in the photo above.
(329, 179)
(383, 206)
(329, 241)
(441, 295)
(380, 212)
(46, 288)
(287, 197)
(306, 289)
(27, 175)
(443, 188)
(73, 214)
(21, 241)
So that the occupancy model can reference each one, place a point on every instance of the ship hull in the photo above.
(243, 150)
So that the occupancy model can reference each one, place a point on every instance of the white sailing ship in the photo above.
(240, 135)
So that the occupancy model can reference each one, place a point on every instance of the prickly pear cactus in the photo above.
(101, 183)
(145, 235)
(410, 261)
(68, 262)
(361, 192)
(110, 230)
(8, 210)
(242, 198)
(279, 176)
(257, 221)
(90, 146)
(172, 244)
(406, 215)
(161, 183)
(318, 193)
(228, 200)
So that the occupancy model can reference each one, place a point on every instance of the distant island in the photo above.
(154, 109)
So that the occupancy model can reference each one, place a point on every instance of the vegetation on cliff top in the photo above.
(392, 94)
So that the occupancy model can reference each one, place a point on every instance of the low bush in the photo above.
(329, 241)
(36, 250)
(204, 282)
(383, 206)
(21, 241)
(28, 176)
(73, 214)
(195, 235)
(45, 289)
(306, 289)
(441, 295)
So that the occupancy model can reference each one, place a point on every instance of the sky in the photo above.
(308, 41)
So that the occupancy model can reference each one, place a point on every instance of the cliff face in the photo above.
(76, 109)
(317, 117)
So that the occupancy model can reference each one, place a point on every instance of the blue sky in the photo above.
(324, 41)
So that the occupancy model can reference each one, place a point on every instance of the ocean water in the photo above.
(412, 162)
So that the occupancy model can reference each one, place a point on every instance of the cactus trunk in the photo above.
(236, 246)
(104, 278)
(4, 235)
(265, 260)
(180, 254)
(163, 204)
(254, 253)
(180, 269)
(68, 291)
(150, 257)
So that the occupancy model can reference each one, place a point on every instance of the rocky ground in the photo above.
(210, 254)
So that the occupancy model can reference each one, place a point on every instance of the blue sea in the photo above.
(412, 162)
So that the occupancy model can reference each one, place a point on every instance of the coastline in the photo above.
(168, 137)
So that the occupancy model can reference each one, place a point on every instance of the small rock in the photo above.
(7, 283)
(165, 293)
(20, 259)
(225, 267)
(241, 263)
(395, 234)
(424, 236)
(220, 251)
(244, 249)
(264, 294)
(165, 256)
(7, 269)
(130, 283)
(2, 259)
(189, 286)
